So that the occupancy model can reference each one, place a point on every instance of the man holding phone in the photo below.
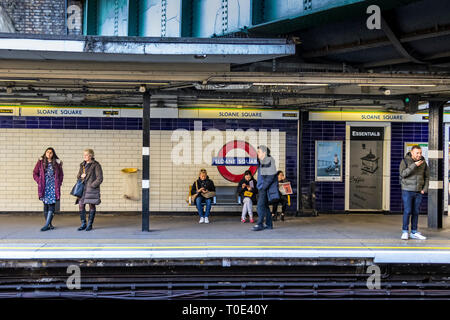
(415, 177)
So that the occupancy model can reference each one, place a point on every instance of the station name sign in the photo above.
(234, 161)
(370, 116)
(155, 112)
(228, 113)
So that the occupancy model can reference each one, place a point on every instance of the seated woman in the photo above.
(247, 190)
(283, 199)
(203, 190)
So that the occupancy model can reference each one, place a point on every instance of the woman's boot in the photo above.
(83, 220)
(48, 221)
(91, 220)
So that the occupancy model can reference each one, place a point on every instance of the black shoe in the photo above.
(257, 228)
(51, 227)
(274, 217)
(267, 227)
(48, 222)
(91, 220)
(83, 220)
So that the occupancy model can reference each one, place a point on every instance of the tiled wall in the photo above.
(117, 143)
(404, 132)
(331, 195)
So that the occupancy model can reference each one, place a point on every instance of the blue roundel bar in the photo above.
(234, 161)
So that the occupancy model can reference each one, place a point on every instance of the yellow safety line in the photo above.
(223, 247)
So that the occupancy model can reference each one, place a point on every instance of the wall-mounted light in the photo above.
(200, 56)
(142, 88)
(9, 90)
(396, 85)
(289, 84)
(385, 91)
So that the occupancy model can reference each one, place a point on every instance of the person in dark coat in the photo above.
(200, 189)
(48, 174)
(247, 184)
(283, 201)
(92, 175)
(266, 182)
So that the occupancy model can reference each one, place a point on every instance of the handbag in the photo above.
(78, 188)
(191, 198)
(248, 194)
(273, 195)
(209, 194)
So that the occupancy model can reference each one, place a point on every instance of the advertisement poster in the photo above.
(328, 160)
(366, 168)
(422, 145)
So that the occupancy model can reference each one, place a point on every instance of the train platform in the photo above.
(351, 236)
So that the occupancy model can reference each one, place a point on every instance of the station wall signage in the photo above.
(369, 116)
(366, 133)
(222, 161)
(222, 113)
(135, 112)
(8, 111)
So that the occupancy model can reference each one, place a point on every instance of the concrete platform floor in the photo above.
(120, 236)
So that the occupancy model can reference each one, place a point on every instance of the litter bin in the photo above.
(130, 184)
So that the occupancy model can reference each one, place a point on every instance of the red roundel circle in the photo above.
(236, 144)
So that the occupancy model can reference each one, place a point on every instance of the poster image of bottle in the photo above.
(366, 168)
(422, 145)
(328, 161)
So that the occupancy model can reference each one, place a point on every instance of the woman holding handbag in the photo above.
(203, 191)
(48, 174)
(246, 189)
(91, 175)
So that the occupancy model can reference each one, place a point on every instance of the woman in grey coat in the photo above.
(92, 175)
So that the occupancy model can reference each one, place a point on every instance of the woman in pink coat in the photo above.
(48, 174)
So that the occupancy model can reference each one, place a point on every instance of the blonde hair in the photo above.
(202, 171)
(90, 151)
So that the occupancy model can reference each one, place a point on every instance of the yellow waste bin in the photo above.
(130, 184)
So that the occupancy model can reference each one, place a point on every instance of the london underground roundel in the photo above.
(223, 162)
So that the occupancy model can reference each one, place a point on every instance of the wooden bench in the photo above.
(225, 196)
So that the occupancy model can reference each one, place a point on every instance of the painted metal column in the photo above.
(436, 164)
(146, 163)
(299, 160)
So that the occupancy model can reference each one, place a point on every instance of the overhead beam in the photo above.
(428, 59)
(377, 43)
(396, 42)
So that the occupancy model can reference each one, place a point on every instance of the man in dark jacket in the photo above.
(266, 178)
(415, 177)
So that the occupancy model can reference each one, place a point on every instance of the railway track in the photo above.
(240, 282)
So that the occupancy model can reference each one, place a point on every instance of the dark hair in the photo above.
(416, 146)
(278, 172)
(264, 149)
(44, 157)
(248, 172)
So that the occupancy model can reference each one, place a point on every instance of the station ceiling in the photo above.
(326, 63)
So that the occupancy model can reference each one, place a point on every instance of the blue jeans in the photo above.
(263, 209)
(411, 203)
(199, 201)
